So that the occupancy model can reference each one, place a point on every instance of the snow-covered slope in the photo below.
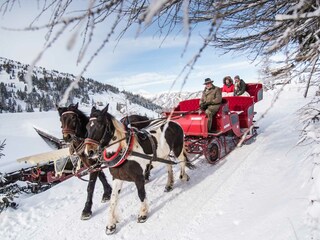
(49, 87)
(258, 192)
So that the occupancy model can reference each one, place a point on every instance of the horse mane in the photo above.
(83, 117)
(120, 131)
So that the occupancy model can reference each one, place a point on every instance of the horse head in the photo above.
(101, 131)
(71, 122)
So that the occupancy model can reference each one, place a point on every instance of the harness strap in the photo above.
(153, 146)
(120, 140)
(91, 141)
(130, 122)
(68, 112)
(84, 171)
(137, 154)
(78, 146)
(113, 157)
(67, 130)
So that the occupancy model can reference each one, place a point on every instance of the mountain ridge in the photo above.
(49, 86)
(170, 100)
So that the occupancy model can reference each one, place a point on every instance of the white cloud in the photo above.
(142, 80)
(162, 81)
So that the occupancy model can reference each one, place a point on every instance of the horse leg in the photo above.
(112, 216)
(106, 187)
(147, 172)
(142, 195)
(170, 181)
(86, 212)
(183, 175)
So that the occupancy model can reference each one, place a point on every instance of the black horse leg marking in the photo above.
(106, 187)
(142, 196)
(170, 181)
(86, 212)
(147, 172)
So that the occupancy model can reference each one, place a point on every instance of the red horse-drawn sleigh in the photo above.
(233, 124)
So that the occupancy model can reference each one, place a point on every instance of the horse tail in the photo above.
(188, 162)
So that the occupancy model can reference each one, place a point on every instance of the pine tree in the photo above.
(19, 108)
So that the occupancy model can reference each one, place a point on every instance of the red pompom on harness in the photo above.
(120, 155)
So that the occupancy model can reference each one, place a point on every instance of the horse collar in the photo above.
(121, 154)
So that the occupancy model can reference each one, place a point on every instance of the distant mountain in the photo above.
(170, 100)
(50, 85)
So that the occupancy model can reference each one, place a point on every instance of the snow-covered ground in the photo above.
(259, 191)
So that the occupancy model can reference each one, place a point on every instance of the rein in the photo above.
(90, 169)
(94, 142)
(137, 154)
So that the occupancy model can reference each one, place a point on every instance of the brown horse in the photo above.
(73, 124)
(162, 139)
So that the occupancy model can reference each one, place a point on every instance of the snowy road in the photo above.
(259, 191)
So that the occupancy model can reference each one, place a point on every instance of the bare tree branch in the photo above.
(2, 145)
(259, 28)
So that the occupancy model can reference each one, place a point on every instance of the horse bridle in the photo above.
(108, 132)
(69, 130)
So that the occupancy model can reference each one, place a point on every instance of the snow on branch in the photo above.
(310, 120)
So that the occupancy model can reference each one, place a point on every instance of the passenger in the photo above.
(210, 100)
(228, 87)
(240, 87)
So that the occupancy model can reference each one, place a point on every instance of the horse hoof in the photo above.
(146, 181)
(185, 178)
(168, 189)
(105, 198)
(86, 215)
(110, 230)
(142, 219)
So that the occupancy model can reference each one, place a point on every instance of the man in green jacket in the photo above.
(210, 101)
(239, 87)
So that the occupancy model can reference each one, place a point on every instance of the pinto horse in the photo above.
(162, 139)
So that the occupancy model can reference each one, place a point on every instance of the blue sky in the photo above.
(135, 64)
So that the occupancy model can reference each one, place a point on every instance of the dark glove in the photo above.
(203, 106)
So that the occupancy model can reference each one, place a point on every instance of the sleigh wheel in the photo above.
(212, 153)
